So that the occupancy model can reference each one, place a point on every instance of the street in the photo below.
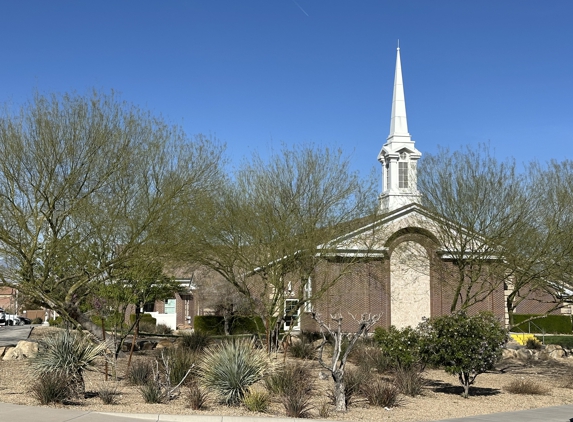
(11, 335)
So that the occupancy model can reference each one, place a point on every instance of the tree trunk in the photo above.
(339, 391)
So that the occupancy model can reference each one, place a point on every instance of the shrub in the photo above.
(382, 393)
(56, 322)
(354, 380)
(555, 324)
(303, 350)
(231, 368)
(152, 393)
(107, 393)
(139, 373)
(209, 324)
(402, 347)
(69, 354)
(464, 345)
(37, 320)
(147, 327)
(533, 344)
(257, 401)
(163, 329)
(409, 381)
(53, 387)
(196, 397)
(525, 386)
(297, 404)
(324, 410)
(195, 341)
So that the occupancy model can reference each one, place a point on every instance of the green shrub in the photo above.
(564, 341)
(382, 393)
(56, 322)
(195, 341)
(553, 324)
(139, 373)
(257, 401)
(53, 387)
(69, 354)
(231, 368)
(464, 345)
(402, 347)
(37, 320)
(525, 386)
(209, 324)
(143, 318)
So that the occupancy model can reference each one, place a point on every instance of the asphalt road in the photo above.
(10, 335)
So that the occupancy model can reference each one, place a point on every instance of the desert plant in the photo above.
(403, 347)
(69, 354)
(230, 368)
(382, 393)
(108, 393)
(409, 381)
(53, 387)
(196, 397)
(153, 393)
(293, 383)
(139, 373)
(324, 409)
(177, 363)
(303, 349)
(297, 404)
(147, 327)
(533, 344)
(37, 320)
(525, 386)
(257, 401)
(371, 357)
(195, 341)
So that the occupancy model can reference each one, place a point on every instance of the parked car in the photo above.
(13, 320)
(25, 320)
(2, 317)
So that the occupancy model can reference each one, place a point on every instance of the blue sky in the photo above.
(258, 73)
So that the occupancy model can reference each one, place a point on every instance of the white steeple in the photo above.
(398, 156)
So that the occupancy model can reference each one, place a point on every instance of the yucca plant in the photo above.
(69, 354)
(231, 368)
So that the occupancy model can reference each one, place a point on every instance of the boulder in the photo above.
(552, 347)
(164, 344)
(23, 350)
(509, 354)
(524, 354)
(557, 354)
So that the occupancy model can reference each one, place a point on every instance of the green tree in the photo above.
(89, 184)
(464, 345)
(276, 222)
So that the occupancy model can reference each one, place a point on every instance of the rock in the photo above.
(146, 345)
(557, 354)
(23, 350)
(164, 344)
(509, 354)
(524, 354)
(552, 347)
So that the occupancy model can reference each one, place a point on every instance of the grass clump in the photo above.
(231, 368)
(409, 381)
(152, 393)
(257, 401)
(177, 362)
(196, 397)
(533, 344)
(108, 393)
(303, 349)
(382, 393)
(53, 387)
(293, 384)
(139, 373)
(526, 386)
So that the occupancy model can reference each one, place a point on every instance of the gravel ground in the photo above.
(440, 399)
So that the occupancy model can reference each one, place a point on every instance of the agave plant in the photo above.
(231, 368)
(69, 354)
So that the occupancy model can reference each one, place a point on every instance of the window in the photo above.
(308, 295)
(169, 306)
(403, 174)
(291, 314)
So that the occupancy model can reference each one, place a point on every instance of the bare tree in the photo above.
(338, 361)
(276, 222)
(87, 184)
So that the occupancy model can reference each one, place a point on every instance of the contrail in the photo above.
(300, 8)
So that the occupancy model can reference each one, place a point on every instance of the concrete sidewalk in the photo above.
(17, 413)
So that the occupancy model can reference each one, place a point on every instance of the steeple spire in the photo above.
(398, 121)
(398, 156)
